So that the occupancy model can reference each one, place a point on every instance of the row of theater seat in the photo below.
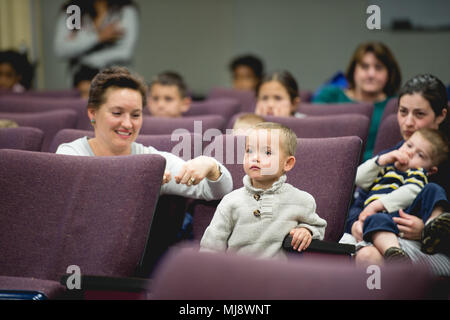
(62, 211)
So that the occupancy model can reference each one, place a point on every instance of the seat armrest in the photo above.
(321, 246)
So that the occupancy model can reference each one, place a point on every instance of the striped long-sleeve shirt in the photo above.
(394, 188)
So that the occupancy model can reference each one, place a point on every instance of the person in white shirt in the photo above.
(115, 106)
(107, 35)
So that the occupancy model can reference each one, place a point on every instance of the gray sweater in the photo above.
(255, 221)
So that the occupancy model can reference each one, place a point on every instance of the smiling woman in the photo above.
(116, 101)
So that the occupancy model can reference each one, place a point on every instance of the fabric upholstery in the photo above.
(50, 122)
(329, 182)
(58, 210)
(22, 138)
(213, 276)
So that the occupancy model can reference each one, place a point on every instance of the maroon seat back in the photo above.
(50, 122)
(329, 182)
(246, 99)
(196, 124)
(314, 109)
(388, 134)
(59, 210)
(22, 138)
(225, 107)
(214, 276)
(187, 145)
(30, 103)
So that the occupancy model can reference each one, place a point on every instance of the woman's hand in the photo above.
(197, 169)
(409, 226)
(166, 177)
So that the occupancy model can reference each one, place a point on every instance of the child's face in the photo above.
(8, 76)
(274, 100)
(265, 160)
(166, 101)
(419, 151)
(84, 87)
(244, 78)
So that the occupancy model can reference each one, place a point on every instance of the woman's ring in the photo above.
(401, 234)
(191, 181)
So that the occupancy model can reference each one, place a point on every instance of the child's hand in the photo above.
(301, 238)
(357, 230)
(372, 208)
(399, 158)
(166, 177)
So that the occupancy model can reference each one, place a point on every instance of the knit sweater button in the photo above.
(257, 197)
(257, 213)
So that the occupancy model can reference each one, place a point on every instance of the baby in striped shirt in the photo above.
(393, 181)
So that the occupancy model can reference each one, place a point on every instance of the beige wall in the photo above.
(311, 38)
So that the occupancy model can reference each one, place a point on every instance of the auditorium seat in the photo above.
(339, 125)
(388, 134)
(59, 211)
(176, 144)
(314, 109)
(225, 107)
(197, 124)
(50, 122)
(325, 168)
(246, 99)
(187, 274)
(29, 103)
(21, 138)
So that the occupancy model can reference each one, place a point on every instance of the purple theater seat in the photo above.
(339, 125)
(25, 103)
(22, 138)
(391, 108)
(59, 210)
(225, 107)
(388, 134)
(306, 95)
(60, 94)
(163, 142)
(314, 109)
(219, 276)
(50, 122)
(196, 124)
(330, 182)
(246, 99)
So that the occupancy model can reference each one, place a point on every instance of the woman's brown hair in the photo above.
(118, 77)
(385, 56)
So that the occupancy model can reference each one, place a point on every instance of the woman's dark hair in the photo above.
(19, 62)
(251, 61)
(382, 52)
(433, 90)
(87, 6)
(286, 79)
(114, 77)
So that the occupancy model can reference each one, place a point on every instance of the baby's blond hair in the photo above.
(439, 144)
(289, 141)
